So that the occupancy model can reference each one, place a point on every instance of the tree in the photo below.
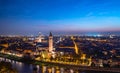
(6, 67)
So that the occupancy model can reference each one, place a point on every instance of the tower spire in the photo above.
(50, 34)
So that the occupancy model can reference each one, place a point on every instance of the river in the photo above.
(29, 68)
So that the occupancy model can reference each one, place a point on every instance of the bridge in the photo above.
(115, 70)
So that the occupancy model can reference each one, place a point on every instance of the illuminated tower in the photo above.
(50, 42)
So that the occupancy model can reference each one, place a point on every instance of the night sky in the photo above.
(60, 16)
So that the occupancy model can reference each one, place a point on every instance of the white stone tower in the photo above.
(50, 42)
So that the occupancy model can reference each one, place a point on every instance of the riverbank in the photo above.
(16, 58)
(36, 62)
(46, 63)
(10, 57)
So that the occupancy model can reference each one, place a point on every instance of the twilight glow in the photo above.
(33, 16)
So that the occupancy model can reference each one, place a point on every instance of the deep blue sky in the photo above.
(33, 16)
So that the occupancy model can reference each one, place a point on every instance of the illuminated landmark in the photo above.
(39, 38)
(68, 53)
(50, 42)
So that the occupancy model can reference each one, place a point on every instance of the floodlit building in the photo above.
(40, 38)
(50, 42)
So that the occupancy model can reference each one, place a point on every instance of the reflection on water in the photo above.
(29, 68)
(56, 69)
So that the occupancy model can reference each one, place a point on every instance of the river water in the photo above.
(29, 68)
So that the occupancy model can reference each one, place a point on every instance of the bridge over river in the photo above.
(115, 70)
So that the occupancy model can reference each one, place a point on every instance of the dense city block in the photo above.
(93, 51)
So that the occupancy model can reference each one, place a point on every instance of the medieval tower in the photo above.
(50, 42)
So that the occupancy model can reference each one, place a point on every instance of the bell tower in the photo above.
(50, 42)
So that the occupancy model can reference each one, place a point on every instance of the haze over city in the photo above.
(61, 16)
(59, 36)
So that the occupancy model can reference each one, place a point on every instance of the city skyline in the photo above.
(60, 16)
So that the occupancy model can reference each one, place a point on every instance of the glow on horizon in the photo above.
(29, 16)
